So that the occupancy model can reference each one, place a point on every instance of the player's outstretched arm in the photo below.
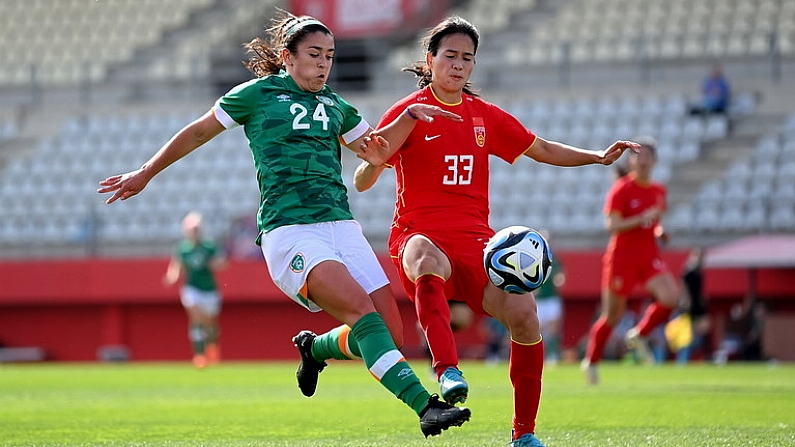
(399, 129)
(195, 134)
(559, 154)
(378, 146)
(614, 152)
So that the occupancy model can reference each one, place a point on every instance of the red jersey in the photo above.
(442, 169)
(629, 198)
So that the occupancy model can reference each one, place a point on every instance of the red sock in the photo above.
(433, 313)
(597, 338)
(655, 315)
(525, 366)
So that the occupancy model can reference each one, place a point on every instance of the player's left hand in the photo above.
(614, 152)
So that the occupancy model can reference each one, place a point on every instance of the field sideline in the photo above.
(258, 404)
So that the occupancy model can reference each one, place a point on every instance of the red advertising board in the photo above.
(357, 19)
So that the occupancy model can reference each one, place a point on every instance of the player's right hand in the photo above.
(124, 186)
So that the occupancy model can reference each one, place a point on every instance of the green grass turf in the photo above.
(258, 404)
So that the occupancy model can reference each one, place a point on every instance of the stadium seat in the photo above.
(782, 215)
(732, 217)
(756, 217)
(707, 218)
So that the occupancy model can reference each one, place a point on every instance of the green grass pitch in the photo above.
(258, 404)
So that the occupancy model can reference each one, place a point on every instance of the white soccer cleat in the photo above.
(640, 345)
(590, 371)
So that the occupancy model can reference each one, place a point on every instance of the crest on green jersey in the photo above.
(298, 263)
(325, 100)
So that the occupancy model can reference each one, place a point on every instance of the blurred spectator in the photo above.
(742, 337)
(695, 307)
(716, 93)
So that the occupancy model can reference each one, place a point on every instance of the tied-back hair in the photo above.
(287, 31)
(431, 42)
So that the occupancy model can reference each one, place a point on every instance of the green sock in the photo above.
(211, 334)
(336, 344)
(196, 336)
(386, 363)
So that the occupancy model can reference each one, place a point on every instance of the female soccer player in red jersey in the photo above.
(441, 225)
(633, 206)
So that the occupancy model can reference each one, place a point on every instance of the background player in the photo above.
(633, 207)
(196, 259)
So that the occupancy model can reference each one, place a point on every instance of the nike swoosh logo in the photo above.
(427, 138)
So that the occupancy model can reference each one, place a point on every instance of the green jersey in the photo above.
(295, 137)
(195, 260)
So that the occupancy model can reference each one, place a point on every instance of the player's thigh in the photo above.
(665, 288)
(334, 290)
(613, 305)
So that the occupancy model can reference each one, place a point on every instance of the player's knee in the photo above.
(669, 299)
(523, 324)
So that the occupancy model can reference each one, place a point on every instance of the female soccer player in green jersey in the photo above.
(195, 260)
(315, 251)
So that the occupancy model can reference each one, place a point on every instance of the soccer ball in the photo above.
(517, 259)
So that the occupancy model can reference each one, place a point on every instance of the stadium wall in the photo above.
(74, 308)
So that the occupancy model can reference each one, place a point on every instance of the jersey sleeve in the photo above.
(391, 115)
(663, 197)
(512, 138)
(613, 200)
(353, 124)
(235, 107)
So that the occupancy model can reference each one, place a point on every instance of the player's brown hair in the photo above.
(431, 41)
(287, 31)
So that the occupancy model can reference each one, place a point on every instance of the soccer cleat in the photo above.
(453, 386)
(526, 440)
(640, 345)
(199, 361)
(309, 368)
(590, 371)
(213, 354)
(438, 416)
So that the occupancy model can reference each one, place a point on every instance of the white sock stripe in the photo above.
(385, 362)
(348, 352)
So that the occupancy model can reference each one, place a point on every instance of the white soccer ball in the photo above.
(517, 259)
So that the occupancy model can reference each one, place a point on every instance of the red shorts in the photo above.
(622, 273)
(465, 252)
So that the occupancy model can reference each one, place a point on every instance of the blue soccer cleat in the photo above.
(453, 386)
(527, 440)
